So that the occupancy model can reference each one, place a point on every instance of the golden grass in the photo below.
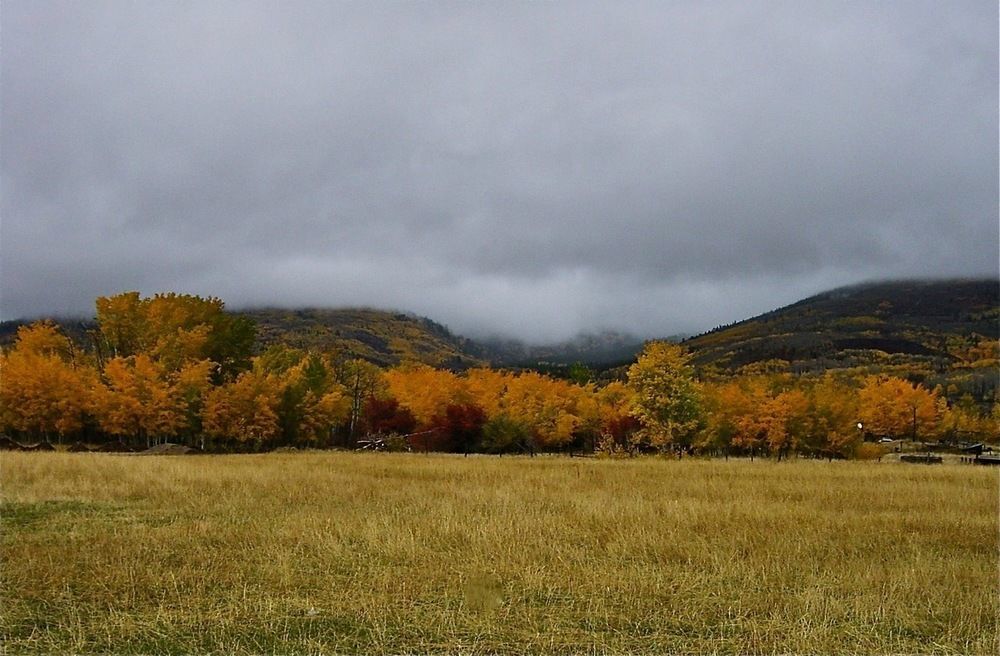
(379, 553)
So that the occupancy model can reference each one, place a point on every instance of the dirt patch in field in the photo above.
(41, 446)
(169, 449)
(7, 444)
(114, 447)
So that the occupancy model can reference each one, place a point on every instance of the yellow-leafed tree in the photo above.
(425, 391)
(892, 406)
(138, 401)
(666, 399)
(244, 411)
(45, 392)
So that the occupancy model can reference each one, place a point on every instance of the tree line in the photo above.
(178, 368)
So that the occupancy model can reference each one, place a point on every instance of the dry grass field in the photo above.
(379, 553)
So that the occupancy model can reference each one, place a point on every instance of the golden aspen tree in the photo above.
(892, 406)
(616, 421)
(754, 420)
(425, 391)
(41, 396)
(724, 403)
(833, 415)
(787, 421)
(137, 401)
(244, 411)
(487, 388)
(174, 328)
(44, 393)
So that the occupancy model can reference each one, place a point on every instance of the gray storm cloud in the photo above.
(522, 168)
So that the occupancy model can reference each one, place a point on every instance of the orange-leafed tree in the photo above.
(892, 406)
(487, 388)
(244, 413)
(312, 402)
(552, 410)
(754, 420)
(833, 419)
(725, 403)
(138, 402)
(189, 386)
(121, 320)
(788, 414)
(617, 424)
(45, 390)
(553, 413)
(425, 391)
(174, 328)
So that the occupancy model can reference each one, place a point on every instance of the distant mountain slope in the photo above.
(388, 338)
(593, 349)
(385, 338)
(79, 330)
(931, 324)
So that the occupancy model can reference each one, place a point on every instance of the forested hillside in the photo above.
(937, 332)
(381, 337)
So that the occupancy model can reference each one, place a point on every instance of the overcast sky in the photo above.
(530, 169)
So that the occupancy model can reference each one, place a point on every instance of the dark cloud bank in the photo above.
(525, 168)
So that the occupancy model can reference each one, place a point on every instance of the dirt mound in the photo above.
(114, 447)
(169, 449)
(41, 446)
(7, 444)
(78, 447)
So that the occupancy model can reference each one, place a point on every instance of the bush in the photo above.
(502, 434)
(869, 451)
(609, 447)
(396, 444)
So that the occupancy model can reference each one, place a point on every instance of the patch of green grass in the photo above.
(19, 516)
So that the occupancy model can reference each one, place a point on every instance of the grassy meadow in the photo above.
(392, 553)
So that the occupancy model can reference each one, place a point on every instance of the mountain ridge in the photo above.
(924, 322)
(936, 332)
